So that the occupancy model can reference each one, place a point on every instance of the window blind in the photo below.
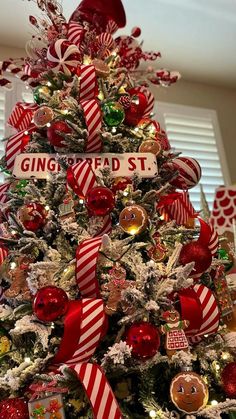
(195, 135)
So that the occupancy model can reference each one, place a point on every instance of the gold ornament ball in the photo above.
(189, 392)
(150, 146)
(133, 219)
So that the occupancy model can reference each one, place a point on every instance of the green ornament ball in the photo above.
(113, 113)
(41, 94)
(223, 254)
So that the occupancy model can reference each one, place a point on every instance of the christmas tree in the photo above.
(114, 301)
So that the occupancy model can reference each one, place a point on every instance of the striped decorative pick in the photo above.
(210, 312)
(3, 190)
(214, 241)
(88, 82)
(3, 254)
(21, 116)
(16, 145)
(93, 119)
(75, 33)
(150, 101)
(111, 27)
(15, 70)
(83, 177)
(98, 391)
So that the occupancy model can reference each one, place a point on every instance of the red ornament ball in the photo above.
(14, 409)
(228, 377)
(53, 135)
(63, 56)
(189, 172)
(120, 184)
(198, 253)
(33, 216)
(50, 303)
(137, 107)
(100, 201)
(144, 339)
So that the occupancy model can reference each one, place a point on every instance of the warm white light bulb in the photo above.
(81, 201)
(152, 414)
(214, 402)
(27, 359)
(13, 265)
(47, 208)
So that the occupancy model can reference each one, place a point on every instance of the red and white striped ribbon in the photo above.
(16, 145)
(84, 177)
(3, 254)
(93, 119)
(91, 327)
(22, 114)
(210, 313)
(150, 101)
(75, 33)
(98, 391)
(86, 267)
(3, 190)
(88, 82)
(180, 209)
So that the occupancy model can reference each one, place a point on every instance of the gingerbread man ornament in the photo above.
(174, 332)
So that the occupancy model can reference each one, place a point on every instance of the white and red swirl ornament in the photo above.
(83, 329)
(223, 215)
(75, 33)
(63, 56)
(189, 172)
(199, 306)
(21, 116)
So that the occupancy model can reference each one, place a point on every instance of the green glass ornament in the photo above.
(20, 186)
(113, 113)
(5, 343)
(41, 94)
(223, 254)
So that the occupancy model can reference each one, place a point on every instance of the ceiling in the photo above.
(195, 37)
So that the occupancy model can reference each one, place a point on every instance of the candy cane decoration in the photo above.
(150, 101)
(75, 33)
(88, 82)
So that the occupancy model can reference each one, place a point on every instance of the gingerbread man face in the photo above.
(133, 219)
(189, 392)
(43, 116)
(171, 316)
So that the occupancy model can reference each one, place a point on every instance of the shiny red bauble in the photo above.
(53, 135)
(120, 184)
(198, 253)
(33, 216)
(137, 107)
(228, 377)
(14, 409)
(100, 201)
(50, 303)
(144, 339)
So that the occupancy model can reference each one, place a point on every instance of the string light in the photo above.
(113, 129)
(28, 360)
(81, 201)
(225, 355)
(214, 402)
(13, 265)
(125, 193)
(49, 83)
(48, 124)
(152, 414)
(66, 269)
(47, 208)
(217, 366)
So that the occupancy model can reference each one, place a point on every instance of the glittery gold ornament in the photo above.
(133, 219)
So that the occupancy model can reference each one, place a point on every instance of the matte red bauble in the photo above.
(198, 253)
(120, 184)
(14, 409)
(228, 378)
(33, 216)
(137, 107)
(53, 135)
(100, 201)
(144, 339)
(50, 303)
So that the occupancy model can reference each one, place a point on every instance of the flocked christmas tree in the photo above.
(114, 301)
